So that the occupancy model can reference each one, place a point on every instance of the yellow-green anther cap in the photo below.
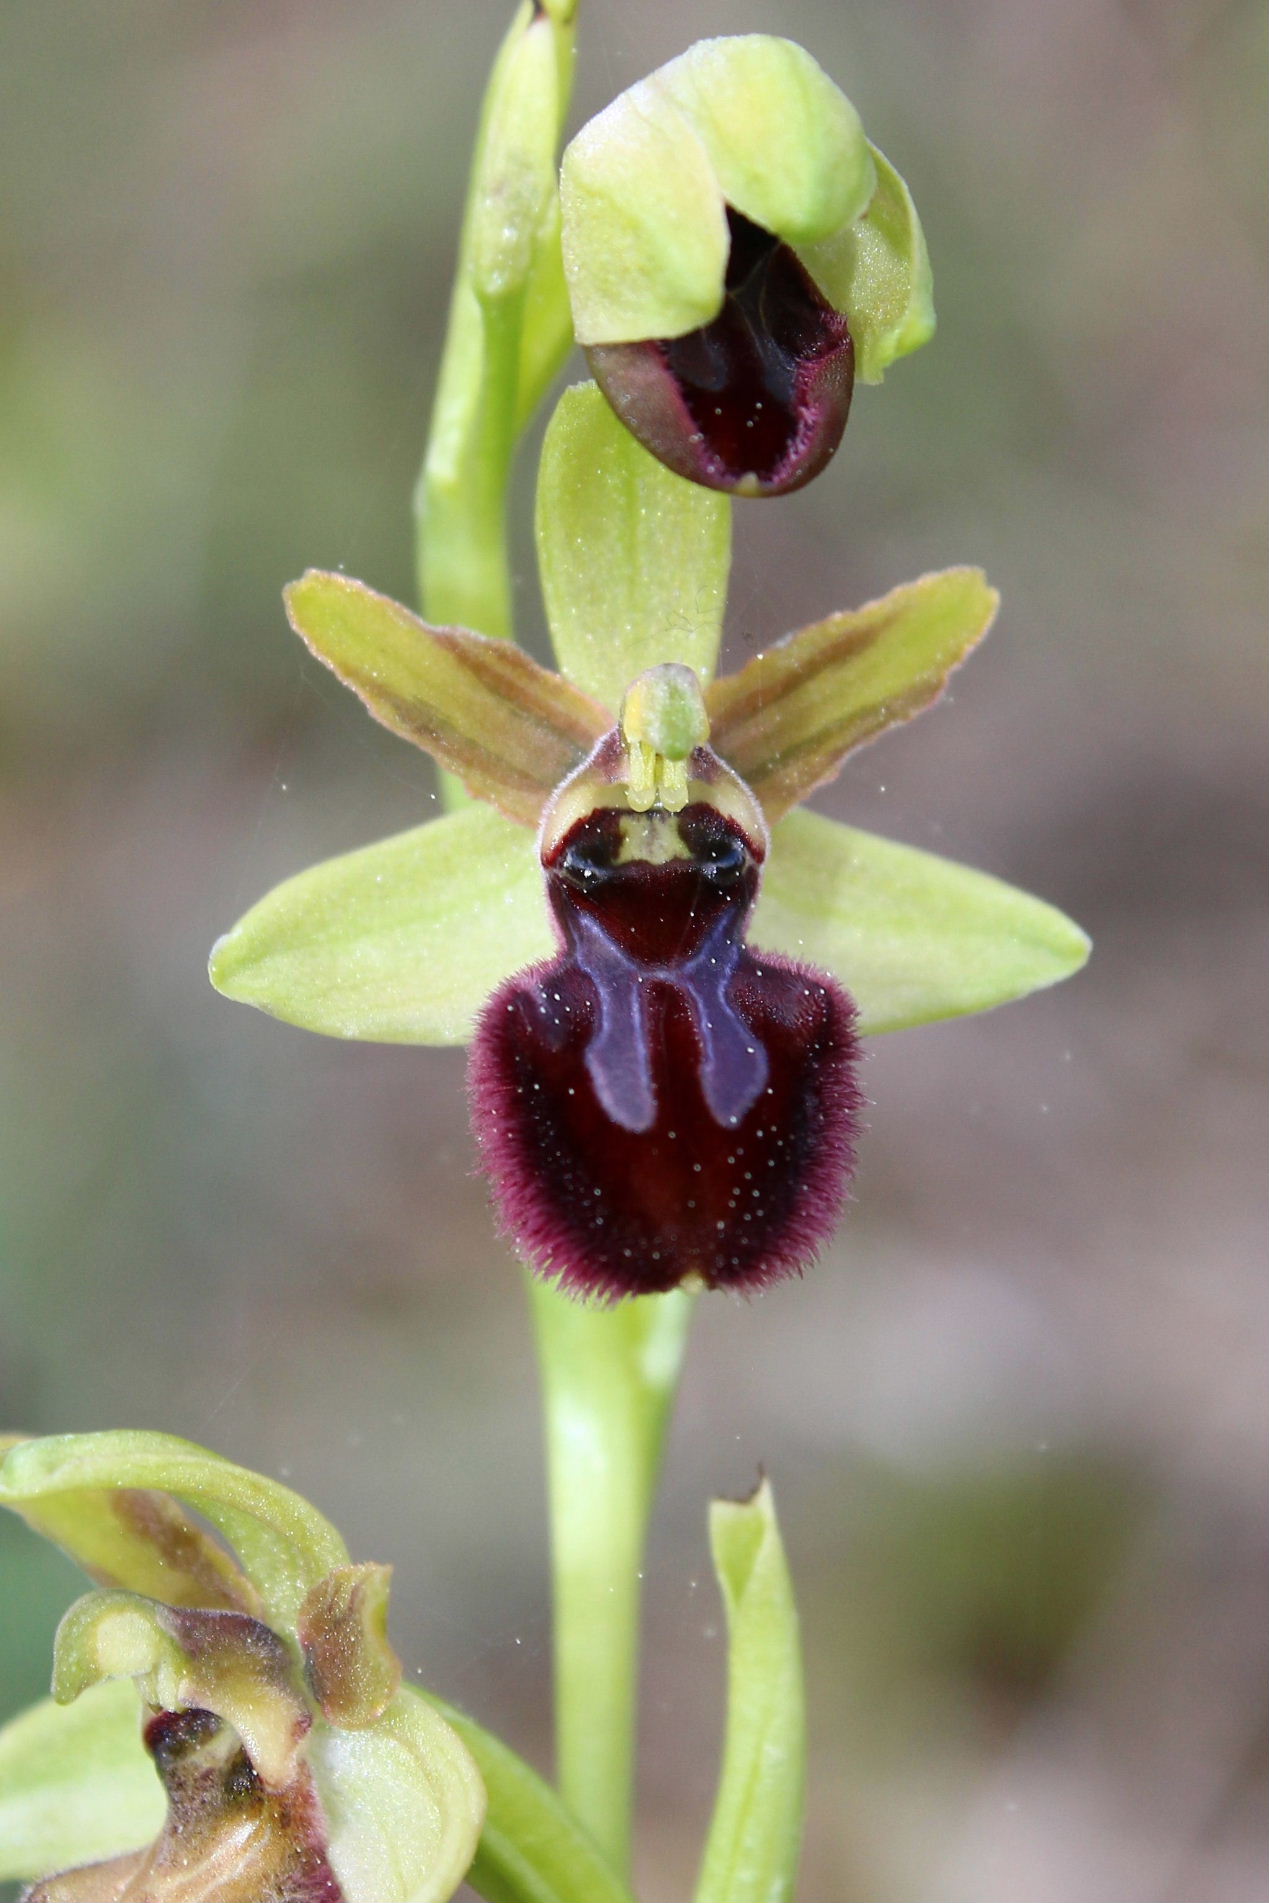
(663, 721)
(723, 264)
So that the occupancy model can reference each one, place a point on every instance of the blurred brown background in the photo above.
(1016, 1419)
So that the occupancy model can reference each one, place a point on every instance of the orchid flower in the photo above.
(294, 1767)
(665, 965)
(232, 1647)
(736, 254)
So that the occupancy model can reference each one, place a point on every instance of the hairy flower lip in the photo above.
(756, 401)
(660, 1102)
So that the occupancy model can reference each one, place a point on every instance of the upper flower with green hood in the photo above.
(737, 253)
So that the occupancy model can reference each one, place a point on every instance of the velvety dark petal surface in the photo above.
(660, 1101)
(756, 400)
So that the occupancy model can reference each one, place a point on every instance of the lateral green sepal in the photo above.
(399, 943)
(913, 937)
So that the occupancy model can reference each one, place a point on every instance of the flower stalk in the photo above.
(609, 1377)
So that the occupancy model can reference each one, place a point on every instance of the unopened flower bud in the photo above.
(736, 253)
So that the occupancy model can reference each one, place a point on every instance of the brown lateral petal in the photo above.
(509, 729)
(787, 720)
(343, 1629)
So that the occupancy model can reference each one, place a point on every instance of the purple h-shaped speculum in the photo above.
(732, 1067)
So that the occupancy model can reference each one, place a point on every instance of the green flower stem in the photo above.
(609, 1376)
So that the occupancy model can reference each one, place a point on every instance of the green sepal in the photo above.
(404, 1804)
(749, 121)
(509, 729)
(913, 937)
(785, 143)
(76, 1784)
(399, 943)
(140, 1539)
(751, 1854)
(787, 720)
(634, 560)
(285, 1545)
(877, 270)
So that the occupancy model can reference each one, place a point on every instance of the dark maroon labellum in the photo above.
(661, 1102)
(754, 402)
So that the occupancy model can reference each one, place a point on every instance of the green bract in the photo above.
(751, 1855)
(509, 324)
(753, 124)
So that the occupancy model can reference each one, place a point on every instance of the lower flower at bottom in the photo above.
(294, 1766)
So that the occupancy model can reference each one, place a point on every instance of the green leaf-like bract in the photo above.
(751, 1855)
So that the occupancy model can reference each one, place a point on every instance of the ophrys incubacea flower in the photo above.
(623, 854)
